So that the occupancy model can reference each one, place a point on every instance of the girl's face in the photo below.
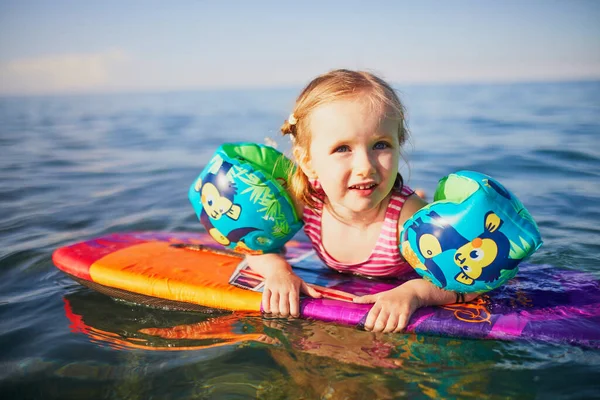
(354, 154)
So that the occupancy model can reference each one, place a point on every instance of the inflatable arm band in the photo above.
(472, 238)
(241, 200)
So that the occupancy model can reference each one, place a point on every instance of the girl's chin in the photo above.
(361, 202)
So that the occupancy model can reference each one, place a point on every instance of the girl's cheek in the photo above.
(389, 161)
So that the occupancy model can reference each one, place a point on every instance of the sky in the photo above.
(60, 46)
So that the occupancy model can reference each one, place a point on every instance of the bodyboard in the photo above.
(184, 271)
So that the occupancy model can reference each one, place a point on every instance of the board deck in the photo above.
(171, 270)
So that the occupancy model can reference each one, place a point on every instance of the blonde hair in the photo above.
(333, 86)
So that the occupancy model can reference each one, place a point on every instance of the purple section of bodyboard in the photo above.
(541, 302)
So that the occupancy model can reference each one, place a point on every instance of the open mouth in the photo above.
(366, 186)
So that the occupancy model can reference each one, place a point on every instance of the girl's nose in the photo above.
(363, 164)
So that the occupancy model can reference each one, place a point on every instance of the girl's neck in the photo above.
(358, 220)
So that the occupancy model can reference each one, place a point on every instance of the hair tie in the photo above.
(292, 119)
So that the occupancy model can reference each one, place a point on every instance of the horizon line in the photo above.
(292, 86)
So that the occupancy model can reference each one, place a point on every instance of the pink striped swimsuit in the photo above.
(385, 260)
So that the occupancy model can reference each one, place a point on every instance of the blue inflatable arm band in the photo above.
(241, 199)
(472, 238)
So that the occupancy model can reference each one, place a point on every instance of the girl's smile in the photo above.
(364, 190)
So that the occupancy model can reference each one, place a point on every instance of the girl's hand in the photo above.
(281, 294)
(392, 309)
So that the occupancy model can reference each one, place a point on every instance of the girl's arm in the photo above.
(430, 295)
(281, 294)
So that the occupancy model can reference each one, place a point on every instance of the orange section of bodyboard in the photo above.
(159, 270)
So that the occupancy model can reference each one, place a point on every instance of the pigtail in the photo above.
(298, 183)
(398, 183)
(289, 127)
(303, 189)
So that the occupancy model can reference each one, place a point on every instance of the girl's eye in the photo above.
(381, 145)
(341, 149)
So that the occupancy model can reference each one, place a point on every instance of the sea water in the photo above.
(75, 167)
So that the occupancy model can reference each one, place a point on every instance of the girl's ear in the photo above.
(304, 163)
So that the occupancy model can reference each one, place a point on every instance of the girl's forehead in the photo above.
(350, 118)
(349, 105)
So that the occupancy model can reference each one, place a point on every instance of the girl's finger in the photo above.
(284, 306)
(381, 321)
(274, 303)
(266, 299)
(392, 323)
(372, 317)
(402, 323)
(310, 291)
(294, 305)
(366, 299)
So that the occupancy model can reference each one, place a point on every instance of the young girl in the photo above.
(347, 129)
